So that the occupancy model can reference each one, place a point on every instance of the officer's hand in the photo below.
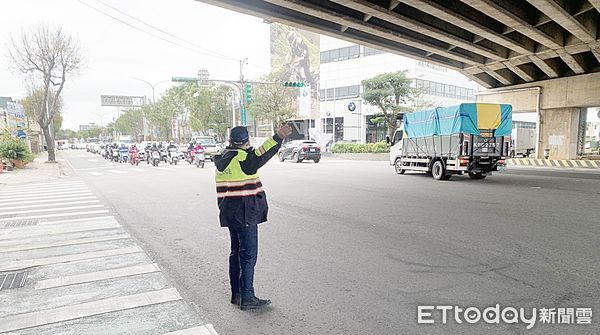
(284, 131)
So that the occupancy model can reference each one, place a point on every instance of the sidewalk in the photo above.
(37, 171)
(69, 267)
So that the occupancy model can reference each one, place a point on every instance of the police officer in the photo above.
(242, 206)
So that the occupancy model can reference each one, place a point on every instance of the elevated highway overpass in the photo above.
(539, 55)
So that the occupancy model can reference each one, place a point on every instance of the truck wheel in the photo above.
(281, 157)
(476, 175)
(438, 171)
(398, 167)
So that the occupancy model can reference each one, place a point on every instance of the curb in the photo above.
(557, 163)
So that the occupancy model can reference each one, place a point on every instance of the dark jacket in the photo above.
(240, 197)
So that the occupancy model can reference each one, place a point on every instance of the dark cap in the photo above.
(239, 135)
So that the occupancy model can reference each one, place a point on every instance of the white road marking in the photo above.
(96, 173)
(42, 245)
(139, 170)
(46, 201)
(93, 160)
(55, 215)
(97, 276)
(116, 171)
(42, 186)
(53, 197)
(92, 219)
(39, 193)
(47, 205)
(51, 209)
(26, 263)
(44, 190)
(9, 235)
(207, 329)
(43, 317)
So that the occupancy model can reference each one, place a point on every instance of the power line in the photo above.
(147, 32)
(166, 32)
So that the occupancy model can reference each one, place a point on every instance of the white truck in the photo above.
(523, 139)
(470, 138)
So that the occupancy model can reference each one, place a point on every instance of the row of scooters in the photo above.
(154, 157)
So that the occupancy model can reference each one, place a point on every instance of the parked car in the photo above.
(210, 145)
(300, 150)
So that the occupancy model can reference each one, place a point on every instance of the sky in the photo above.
(201, 35)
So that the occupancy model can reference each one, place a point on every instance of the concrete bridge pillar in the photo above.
(559, 130)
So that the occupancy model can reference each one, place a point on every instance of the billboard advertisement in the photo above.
(295, 57)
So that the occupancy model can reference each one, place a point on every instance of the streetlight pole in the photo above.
(153, 87)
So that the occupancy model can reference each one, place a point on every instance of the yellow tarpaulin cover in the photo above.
(488, 116)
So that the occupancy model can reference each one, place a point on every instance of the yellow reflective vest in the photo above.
(240, 196)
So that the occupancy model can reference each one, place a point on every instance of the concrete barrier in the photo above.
(556, 163)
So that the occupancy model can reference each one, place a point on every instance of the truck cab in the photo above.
(396, 145)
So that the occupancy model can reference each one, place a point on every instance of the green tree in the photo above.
(66, 134)
(273, 102)
(33, 105)
(210, 110)
(46, 57)
(130, 122)
(392, 93)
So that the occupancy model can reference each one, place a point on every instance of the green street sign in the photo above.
(184, 79)
(243, 116)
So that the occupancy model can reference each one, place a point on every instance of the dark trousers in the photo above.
(242, 259)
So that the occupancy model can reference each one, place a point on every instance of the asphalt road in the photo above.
(353, 248)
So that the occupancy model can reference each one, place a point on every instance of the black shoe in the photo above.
(236, 299)
(253, 303)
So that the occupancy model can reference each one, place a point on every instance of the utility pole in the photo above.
(153, 87)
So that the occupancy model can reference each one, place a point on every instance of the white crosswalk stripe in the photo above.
(47, 205)
(116, 171)
(48, 200)
(84, 262)
(44, 196)
(94, 173)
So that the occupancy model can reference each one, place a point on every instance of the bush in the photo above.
(343, 148)
(13, 148)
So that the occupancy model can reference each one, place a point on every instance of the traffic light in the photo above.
(248, 92)
(293, 84)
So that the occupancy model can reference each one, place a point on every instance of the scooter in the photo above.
(123, 156)
(135, 159)
(172, 156)
(199, 158)
(115, 155)
(155, 158)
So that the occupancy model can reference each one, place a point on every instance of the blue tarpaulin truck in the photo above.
(471, 137)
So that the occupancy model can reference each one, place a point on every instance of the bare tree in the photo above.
(46, 56)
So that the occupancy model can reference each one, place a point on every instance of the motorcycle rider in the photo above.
(189, 150)
(123, 150)
(171, 147)
(133, 151)
(108, 152)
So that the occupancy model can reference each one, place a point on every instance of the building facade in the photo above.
(343, 114)
(14, 120)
